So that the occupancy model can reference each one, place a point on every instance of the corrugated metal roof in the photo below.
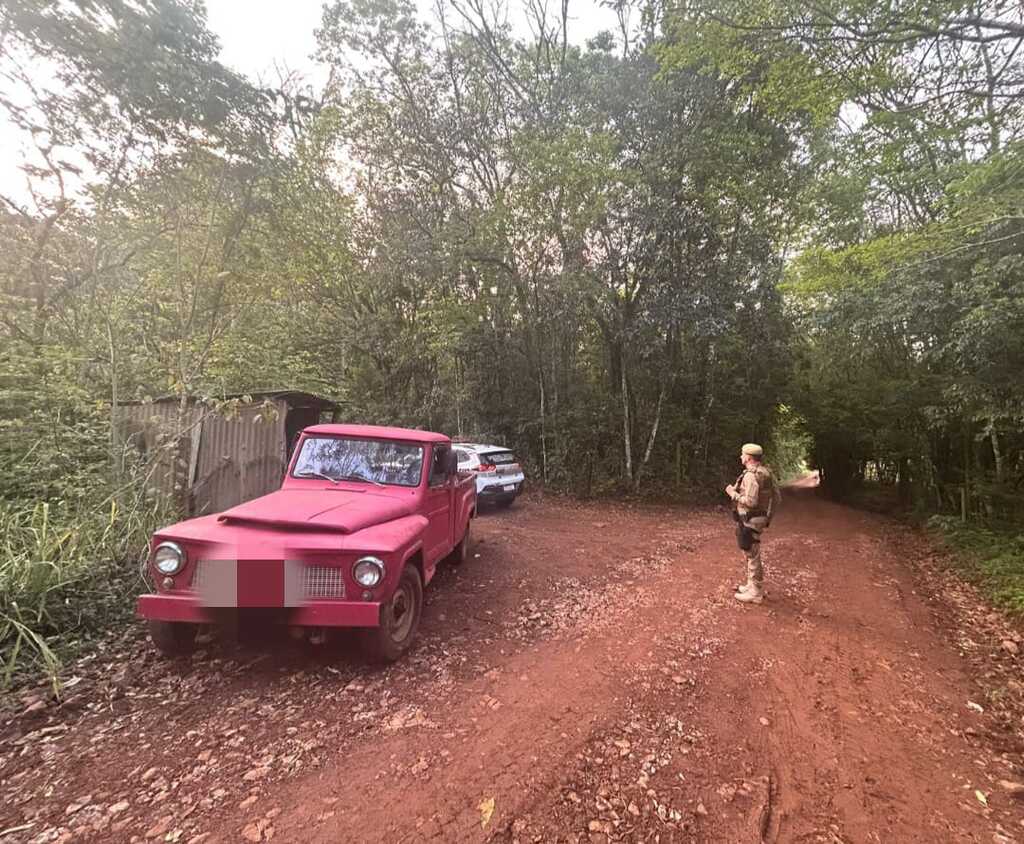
(290, 395)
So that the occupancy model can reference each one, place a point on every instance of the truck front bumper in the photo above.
(311, 614)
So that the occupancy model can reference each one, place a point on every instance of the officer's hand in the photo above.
(730, 490)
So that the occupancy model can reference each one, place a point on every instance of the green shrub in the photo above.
(989, 557)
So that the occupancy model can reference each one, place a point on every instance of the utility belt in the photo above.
(747, 532)
(750, 514)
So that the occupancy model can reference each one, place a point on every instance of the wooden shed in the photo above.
(223, 458)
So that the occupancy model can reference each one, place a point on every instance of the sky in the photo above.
(256, 33)
(261, 38)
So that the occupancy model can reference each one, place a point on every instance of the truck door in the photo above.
(438, 508)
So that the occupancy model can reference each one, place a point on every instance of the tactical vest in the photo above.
(765, 490)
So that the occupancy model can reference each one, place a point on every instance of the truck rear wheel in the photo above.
(173, 638)
(461, 552)
(399, 620)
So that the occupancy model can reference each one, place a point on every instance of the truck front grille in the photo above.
(322, 582)
(317, 581)
(200, 575)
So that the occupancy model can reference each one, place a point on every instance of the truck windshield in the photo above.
(372, 461)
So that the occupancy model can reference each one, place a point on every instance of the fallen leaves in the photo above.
(1014, 789)
(407, 719)
(255, 774)
(260, 830)
(78, 805)
(486, 808)
(649, 772)
(161, 827)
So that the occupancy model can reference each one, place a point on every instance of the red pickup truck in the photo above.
(363, 518)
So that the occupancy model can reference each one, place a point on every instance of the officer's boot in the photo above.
(753, 594)
(754, 591)
(742, 587)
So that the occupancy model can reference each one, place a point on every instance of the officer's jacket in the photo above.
(757, 491)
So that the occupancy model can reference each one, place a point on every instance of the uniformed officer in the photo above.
(754, 496)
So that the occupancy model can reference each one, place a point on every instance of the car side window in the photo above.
(437, 467)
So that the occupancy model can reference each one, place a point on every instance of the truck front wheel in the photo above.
(399, 620)
(173, 638)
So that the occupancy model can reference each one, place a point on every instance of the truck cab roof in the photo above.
(377, 432)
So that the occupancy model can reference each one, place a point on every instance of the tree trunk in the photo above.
(179, 480)
(997, 452)
(458, 401)
(965, 489)
(903, 489)
(543, 432)
(115, 450)
(653, 436)
(627, 445)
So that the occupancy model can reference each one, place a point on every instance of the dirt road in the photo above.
(586, 677)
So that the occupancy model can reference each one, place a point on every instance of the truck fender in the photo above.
(415, 556)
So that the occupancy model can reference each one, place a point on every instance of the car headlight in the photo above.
(368, 571)
(169, 558)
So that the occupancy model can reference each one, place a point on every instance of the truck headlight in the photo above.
(169, 558)
(368, 571)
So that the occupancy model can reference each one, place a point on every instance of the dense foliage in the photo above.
(733, 220)
(908, 291)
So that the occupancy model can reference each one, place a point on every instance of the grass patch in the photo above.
(992, 559)
(68, 574)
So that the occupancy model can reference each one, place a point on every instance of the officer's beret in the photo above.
(753, 449)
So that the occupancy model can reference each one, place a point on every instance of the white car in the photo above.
(499, 477)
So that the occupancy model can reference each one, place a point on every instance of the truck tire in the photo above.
(461, 552)
(173, 638)
(399, 620)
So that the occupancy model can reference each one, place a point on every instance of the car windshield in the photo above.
(373, 461)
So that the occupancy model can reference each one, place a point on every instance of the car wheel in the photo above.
(505, 502)
(399, 620)
(461, 552)
(173, 638)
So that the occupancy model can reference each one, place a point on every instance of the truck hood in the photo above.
(334, 510)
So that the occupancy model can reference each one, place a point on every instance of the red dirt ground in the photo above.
(586, 677)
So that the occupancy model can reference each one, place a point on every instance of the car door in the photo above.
(438, 500)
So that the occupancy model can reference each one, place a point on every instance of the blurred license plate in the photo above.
(510, 487)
